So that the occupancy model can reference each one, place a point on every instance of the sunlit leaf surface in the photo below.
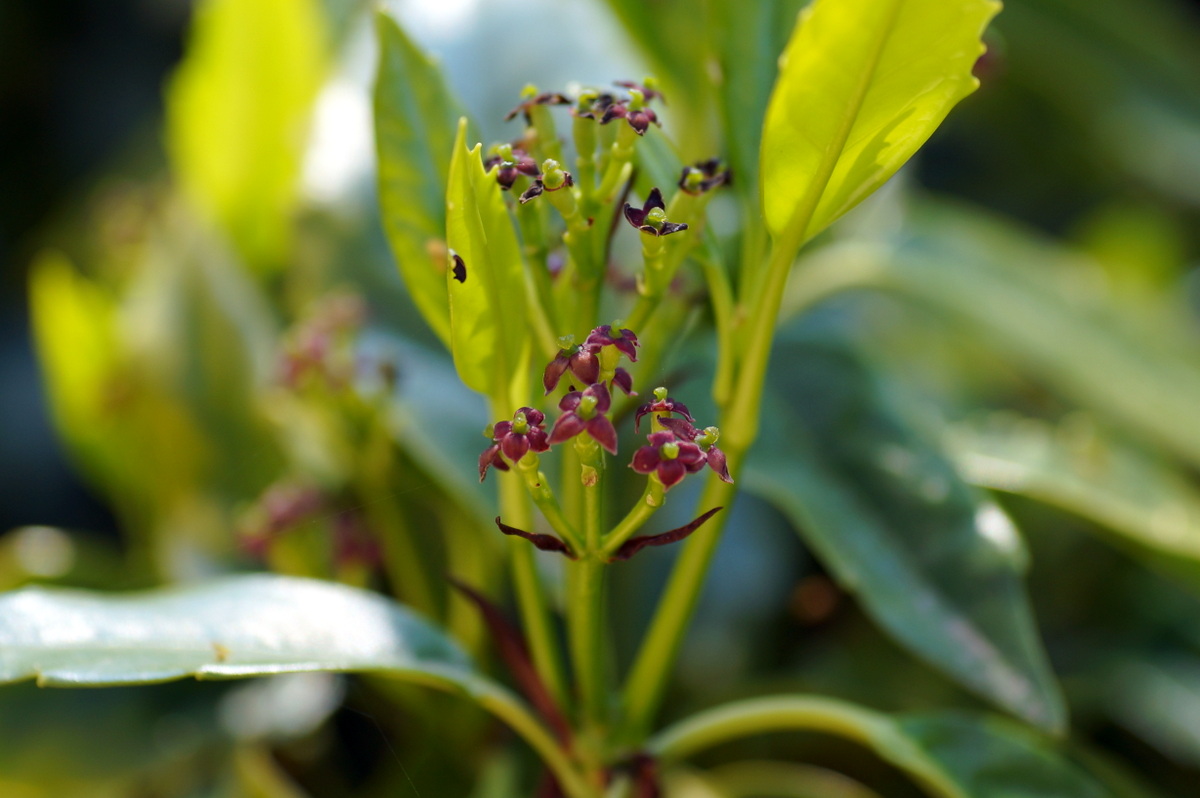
(487, 305)
(241, 626)
(863, 84)
(939, 569)
(415, 120)
(237, 116)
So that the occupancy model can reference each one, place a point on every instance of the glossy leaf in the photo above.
(237, 113)
(950, 754)
(1149, 505)
(415, 121)
(937, 567)
(251, 625)
(862, 85)
(487, 306)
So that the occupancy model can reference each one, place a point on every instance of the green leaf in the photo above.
(252, 625)
(938, 568)
(237, 113)
(950, 754)
(1152, 508)
(415, 121)
(487, 307)
(863, 84)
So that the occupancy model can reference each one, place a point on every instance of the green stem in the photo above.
(531, 595)
(587, 592)
(543, 497)
(808, 713)
(651, 500)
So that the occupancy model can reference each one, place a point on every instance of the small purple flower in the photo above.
(624, 340)
(639, 118)
(580, 360)
(584, 411)
(661, 404)
(623, 380)
(513, 439)
(704, 176)
(669, 457)
(511, 161)
(592, 104)
(652, 217)
(532, 98)
(706, 439)
(648, 88)
(552, 178)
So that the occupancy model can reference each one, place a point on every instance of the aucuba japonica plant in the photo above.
(612, 278)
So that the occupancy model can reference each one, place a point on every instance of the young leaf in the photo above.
(863, 84)
(950, 754)
(415, 120)
(936, 567)
(487, 307)
(237, 110)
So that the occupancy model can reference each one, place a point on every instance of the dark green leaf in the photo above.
(939, 569)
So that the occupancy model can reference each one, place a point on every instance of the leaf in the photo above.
(487, 307)
(938, 568)
(237, 112)
(950, 754)
(862, 85)
(415, 121)
(1151, 507)
(251, 625)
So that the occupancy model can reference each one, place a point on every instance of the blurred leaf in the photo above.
(862, 85)
(950, 754)
(415, 119)
(1042, 306)
(786, 780)
(237, 112)
(1158, 698)
(936, 567)
(251, 625)
(487, 307)
(1150, 506)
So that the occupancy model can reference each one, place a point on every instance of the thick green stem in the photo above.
(543, 497)
(587, 593)
(808, 713)
(651, 500)
(531, 595)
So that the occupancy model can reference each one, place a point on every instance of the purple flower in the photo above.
(624, 340)
(546, 98)
(639, 118)
(580, 360)
(652, 217)
(648, 88)
(513, 439)
(661, 404)
(584, 411)
(669, 457)
(552, 178)
(706, 439)
(511, 161)
(704, 176)
(592, 104)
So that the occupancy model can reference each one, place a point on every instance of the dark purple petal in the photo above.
(672, 227)
(681, 428)
(670, 472)
(514, 446)
(538, 441)
(614, 111)
(568, 426)
(658, 439)
(689, 454)
(645, 459)
(603, 400)
(654, 200)
(554, 371)
(644, 410)
(626, 348)
(533, 416)
(501, 429)
(491, 457)
(716, 461)
(586, 366)
(634, 545)
(603, 432)
(635, 216)
(533, 191)
(460, 268)
(570, 401)
(623, 380)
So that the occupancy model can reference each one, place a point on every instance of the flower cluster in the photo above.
(583, 360)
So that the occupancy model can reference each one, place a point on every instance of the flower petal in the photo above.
(716, 461)
(568, 426)
(670, 472)
(645, 460)
(514, 446)
(623, 380)
(603, 432)
(554, 371)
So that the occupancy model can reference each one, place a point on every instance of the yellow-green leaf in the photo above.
(487, 305)
(237, 113)
(415, 119)
(862, 85)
